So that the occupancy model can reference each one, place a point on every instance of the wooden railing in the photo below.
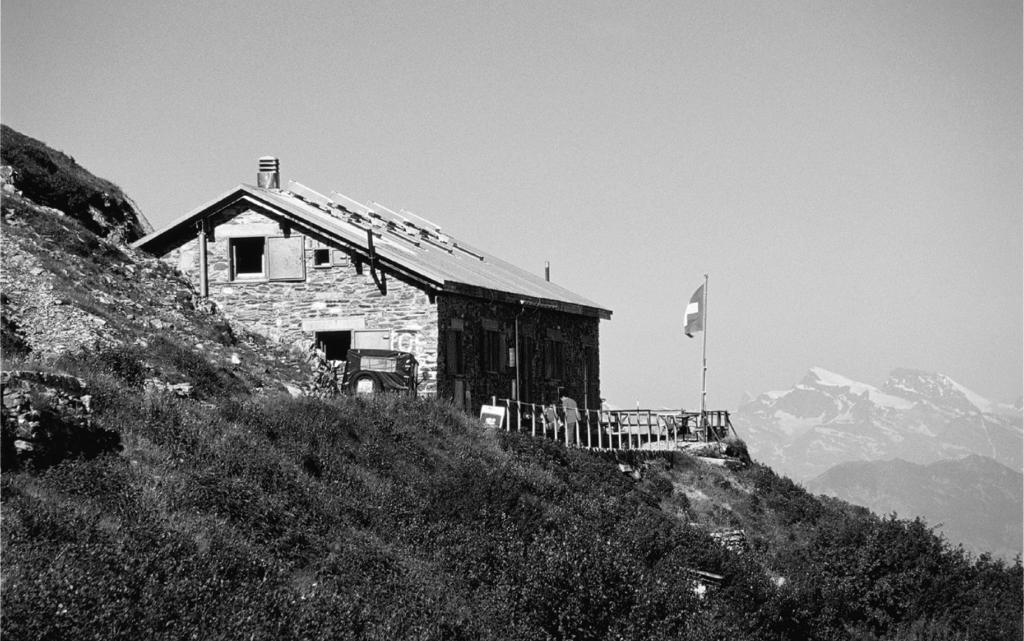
(605, 429)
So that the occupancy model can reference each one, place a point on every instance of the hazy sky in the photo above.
(848, 173)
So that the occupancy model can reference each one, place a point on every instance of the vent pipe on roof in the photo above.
(269, 175)
(547, 271)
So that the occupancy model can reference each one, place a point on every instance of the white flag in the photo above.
(695, 313)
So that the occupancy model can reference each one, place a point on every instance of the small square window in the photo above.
(321, 258)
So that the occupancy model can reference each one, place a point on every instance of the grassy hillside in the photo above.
(236, 511)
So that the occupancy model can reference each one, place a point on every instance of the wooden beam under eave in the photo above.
(483, 293)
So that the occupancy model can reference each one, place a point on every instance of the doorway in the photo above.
(334, 344)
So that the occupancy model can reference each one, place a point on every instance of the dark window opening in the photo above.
(321, 258)
(454, 362)
(490, 351)
(554, 359)
(525, 365)
(589, 373)
(334, 344)
(248, 257)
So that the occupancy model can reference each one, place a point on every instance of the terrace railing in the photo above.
(607, 429)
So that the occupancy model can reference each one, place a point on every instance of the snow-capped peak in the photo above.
(943, 389)
(976, 399)
(828, 418)
(825, 378)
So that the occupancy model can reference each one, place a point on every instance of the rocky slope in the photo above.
(53, 179)
(974, 500)
(827, 419)
(67, 290)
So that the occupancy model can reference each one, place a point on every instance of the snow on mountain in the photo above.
(830, 379)
(826, 419)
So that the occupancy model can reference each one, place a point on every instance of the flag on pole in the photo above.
(695, 313)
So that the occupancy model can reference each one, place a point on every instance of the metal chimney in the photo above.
(269, 175)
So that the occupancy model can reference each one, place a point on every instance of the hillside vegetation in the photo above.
(234, 510)
(54, 179)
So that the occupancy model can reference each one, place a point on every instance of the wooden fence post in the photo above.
(565, 427)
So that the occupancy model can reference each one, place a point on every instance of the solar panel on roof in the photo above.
(468, 251)
(352, 205)
(430, 224)
(305, 193)
(384, 212)
(435, 241)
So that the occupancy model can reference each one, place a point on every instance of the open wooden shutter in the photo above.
(371, 339)
(285, 258)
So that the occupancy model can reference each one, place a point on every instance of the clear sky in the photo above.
(848, 173)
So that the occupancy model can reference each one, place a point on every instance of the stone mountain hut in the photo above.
(303, 268)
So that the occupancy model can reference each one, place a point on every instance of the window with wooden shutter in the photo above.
(285, 258)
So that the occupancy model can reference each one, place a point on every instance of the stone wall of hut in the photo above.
(329, 297)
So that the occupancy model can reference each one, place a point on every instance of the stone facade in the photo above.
(333, 297)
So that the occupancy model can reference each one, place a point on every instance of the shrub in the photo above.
(737, 448)
(124, 363)
(12, 341)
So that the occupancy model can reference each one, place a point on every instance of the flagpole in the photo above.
(704, 361)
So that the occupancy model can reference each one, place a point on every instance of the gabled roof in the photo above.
(407, 246)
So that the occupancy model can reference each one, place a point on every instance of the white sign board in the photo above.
(492, 416)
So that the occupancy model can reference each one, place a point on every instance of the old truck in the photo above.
(376, 371)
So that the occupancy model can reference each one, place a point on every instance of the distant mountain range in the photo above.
(827, 419)
(919, 445)
(974, 500)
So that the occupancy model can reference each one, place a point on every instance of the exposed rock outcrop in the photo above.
(48, 418)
